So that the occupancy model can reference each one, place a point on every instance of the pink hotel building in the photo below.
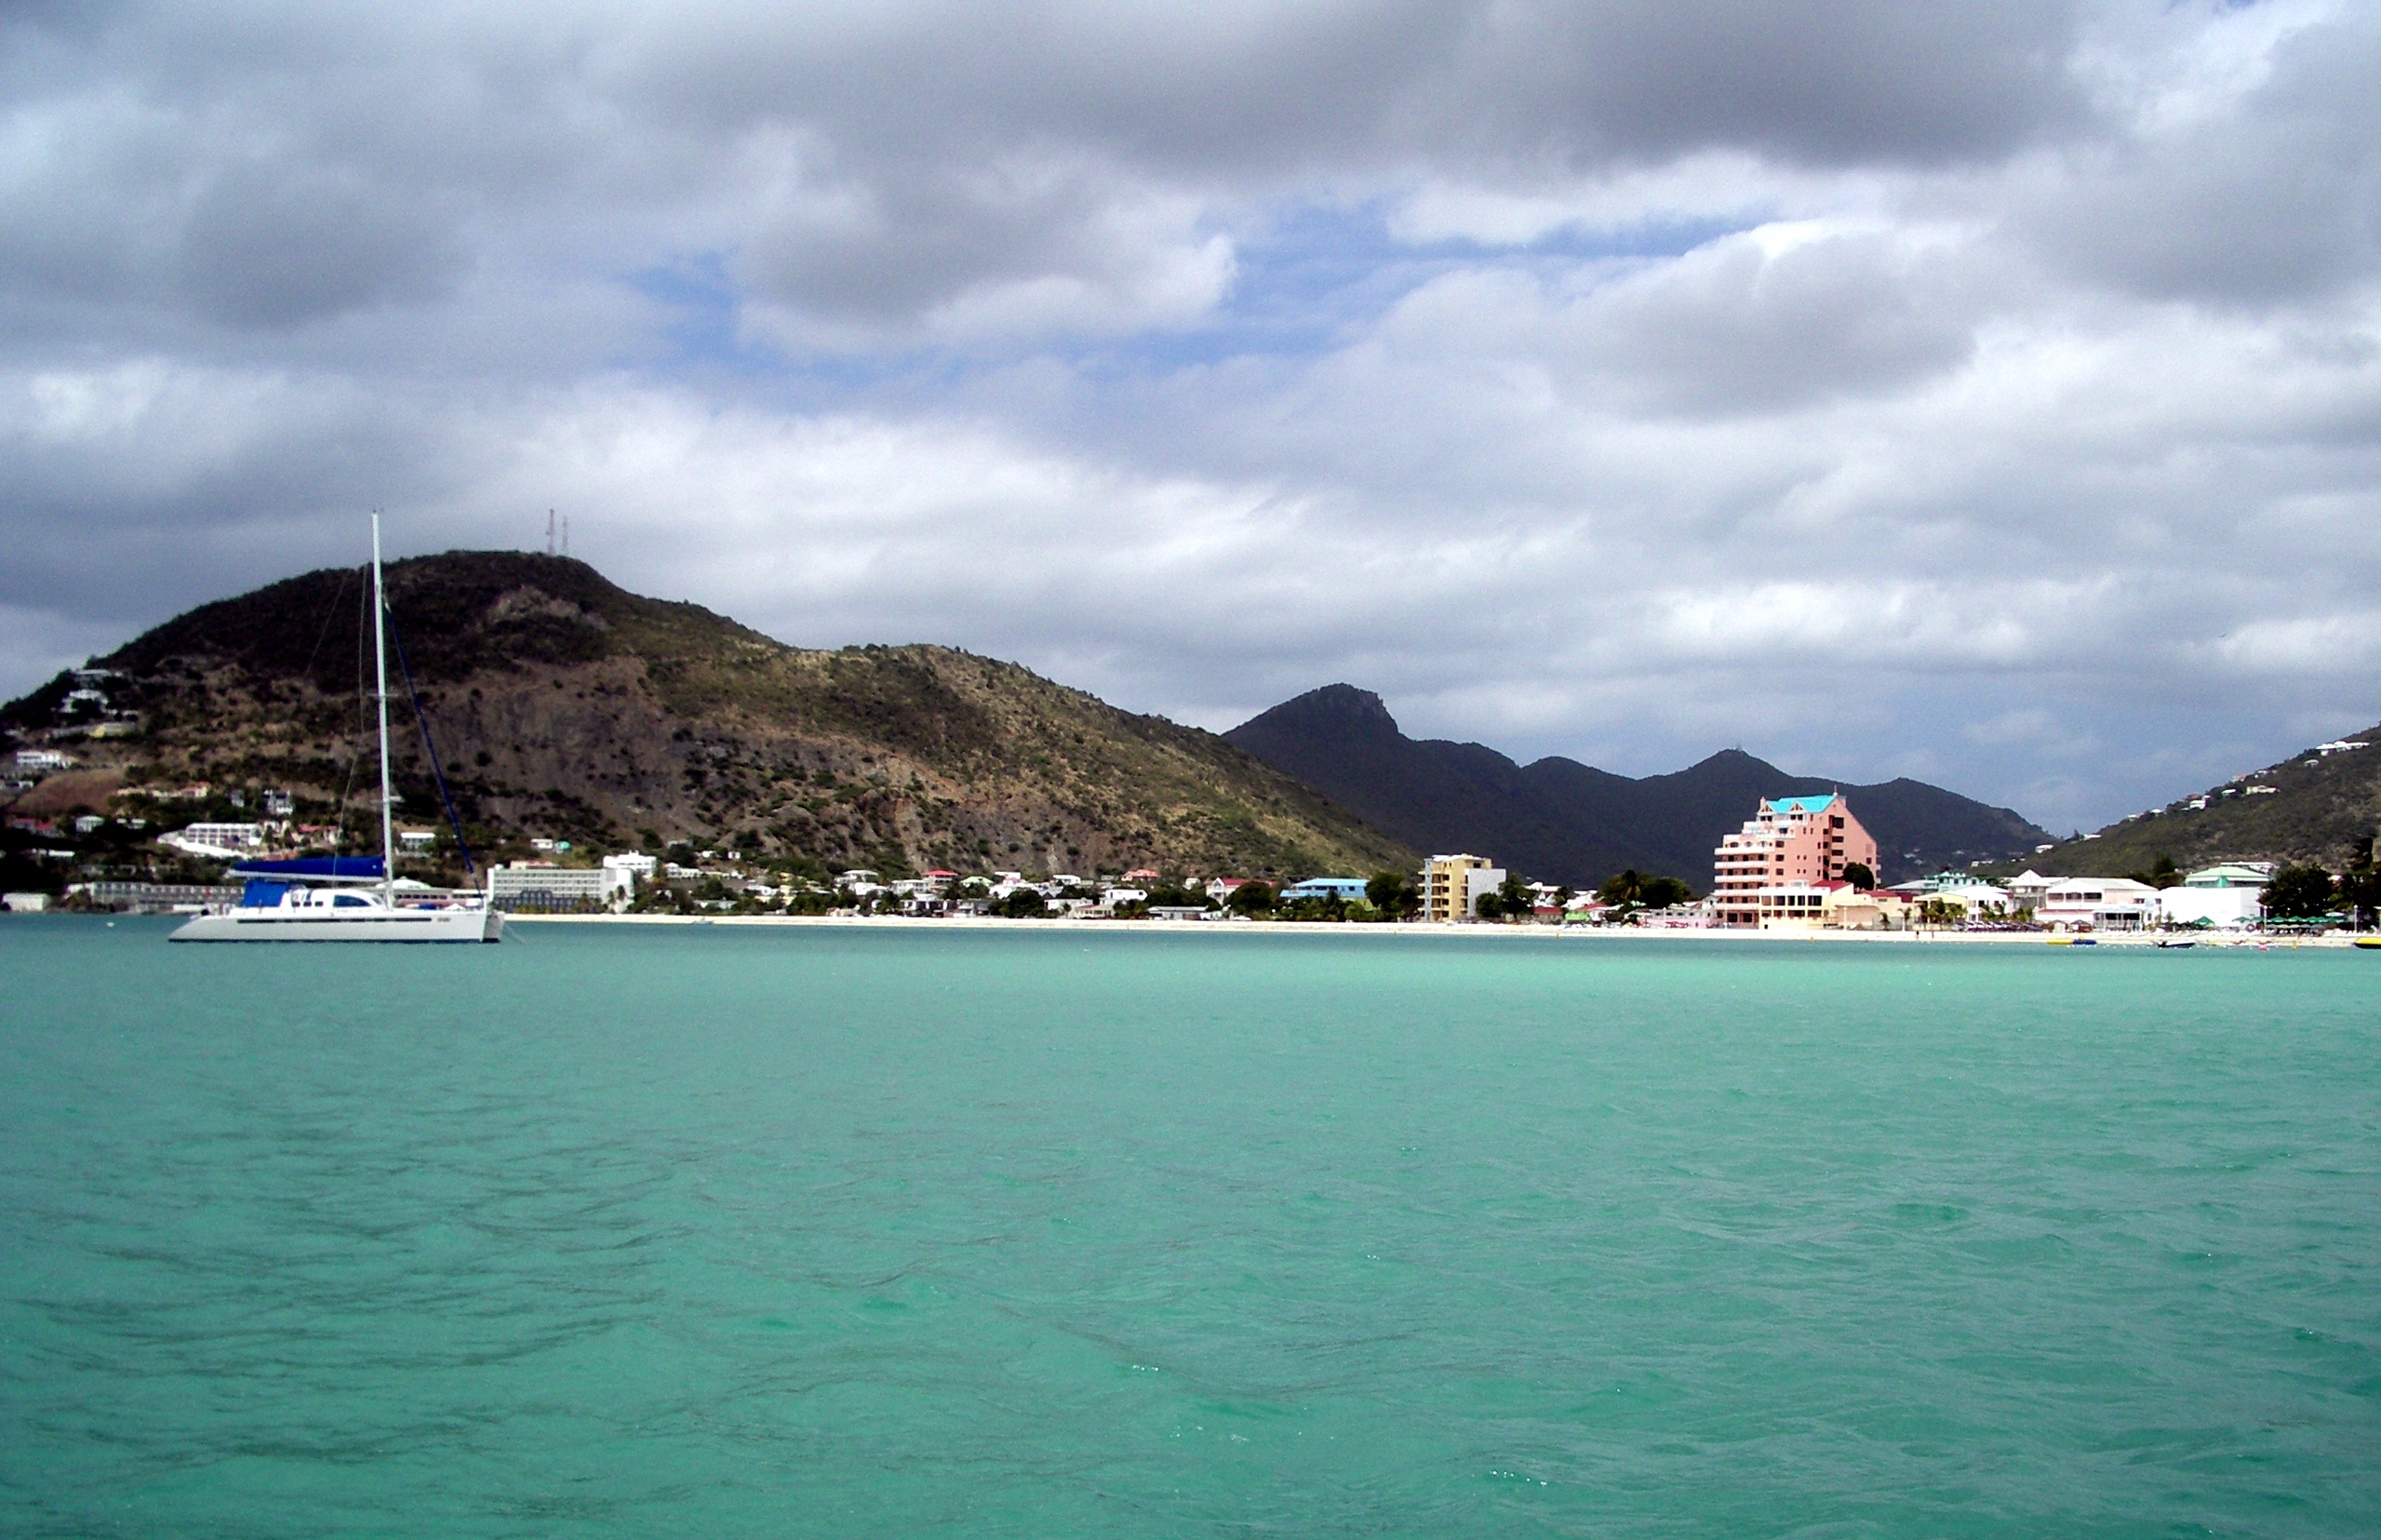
(1793, 839)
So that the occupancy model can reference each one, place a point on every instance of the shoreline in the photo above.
(1549, 932)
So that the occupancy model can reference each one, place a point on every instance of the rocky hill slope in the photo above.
(565, 706)
(1561, 820)
(2313, 807)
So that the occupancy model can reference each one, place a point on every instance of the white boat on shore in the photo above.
(348, 898)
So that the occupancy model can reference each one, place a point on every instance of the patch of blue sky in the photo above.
(1309, 279)
(1312, 277)
(704, 336)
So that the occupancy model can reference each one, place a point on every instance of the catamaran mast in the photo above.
(380, 668)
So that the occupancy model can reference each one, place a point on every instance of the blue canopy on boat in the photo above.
(318, 868)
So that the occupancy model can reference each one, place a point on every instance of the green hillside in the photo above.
(2312, 808)
(566, 708)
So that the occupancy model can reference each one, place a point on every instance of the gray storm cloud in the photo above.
(1990, 392)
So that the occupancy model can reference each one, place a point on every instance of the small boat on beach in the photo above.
(2367, 943)
(2174, 946)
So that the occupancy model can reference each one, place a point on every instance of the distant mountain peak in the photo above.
(1563, 820)
(1339, 711)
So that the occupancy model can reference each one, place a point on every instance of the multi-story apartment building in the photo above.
(1452, 885)
(1791, 839)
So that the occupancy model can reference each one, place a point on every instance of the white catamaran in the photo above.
(348, 898)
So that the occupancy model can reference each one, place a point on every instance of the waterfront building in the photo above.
(1796, 905)
(1347, 889)
(2228, 895)
(1452, 886)
(539, 885)
(160, 898)
(2026, 889)
(1790, 839)
(2232, 874)
(1972, 896)
(2097, 903)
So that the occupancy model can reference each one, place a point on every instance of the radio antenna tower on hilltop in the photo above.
(551, 549)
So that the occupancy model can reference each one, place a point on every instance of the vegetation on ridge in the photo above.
(565, 706)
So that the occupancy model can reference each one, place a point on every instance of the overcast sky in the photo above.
(1990, 392)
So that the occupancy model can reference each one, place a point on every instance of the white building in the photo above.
(1793, 906)
(216, 841)
(2097, 903)
(527, 885)
(2026, 889)
(2227, 896)
(43, 759)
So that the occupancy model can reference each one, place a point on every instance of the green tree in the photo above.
(1859, 875)
(1623, 890)
(1633, 890)
(2299, 893)
(1394, 895)
(2361, 893)
(1023, 903)
(1513, 899)
(1251, 898)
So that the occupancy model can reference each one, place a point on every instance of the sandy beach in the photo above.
(1574, 933)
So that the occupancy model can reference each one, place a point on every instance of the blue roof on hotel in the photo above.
(1801, 804)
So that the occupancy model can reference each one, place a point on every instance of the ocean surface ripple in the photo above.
(737, 1232)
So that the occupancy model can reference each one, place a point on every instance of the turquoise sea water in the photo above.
(826, 1232)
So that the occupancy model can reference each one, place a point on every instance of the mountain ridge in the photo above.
(565, 705)
(1562, 820)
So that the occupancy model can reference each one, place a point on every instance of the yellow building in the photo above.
(1450, 883)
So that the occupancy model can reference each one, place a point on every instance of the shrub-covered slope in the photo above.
(564, 706)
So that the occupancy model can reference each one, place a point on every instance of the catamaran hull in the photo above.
(399, 925)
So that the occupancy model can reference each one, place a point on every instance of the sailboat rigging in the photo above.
(317, 898)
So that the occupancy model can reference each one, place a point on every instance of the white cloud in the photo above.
(1947, 387)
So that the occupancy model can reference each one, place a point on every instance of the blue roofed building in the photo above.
(1347, 889)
